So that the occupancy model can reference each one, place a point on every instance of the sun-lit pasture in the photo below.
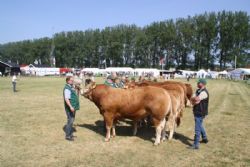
(32, 120)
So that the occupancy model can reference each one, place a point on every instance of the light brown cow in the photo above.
(182, 85)
(186, 87)
(134, 104)
(177, 97)
(174, 83)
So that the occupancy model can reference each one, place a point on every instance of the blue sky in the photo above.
(29, 19)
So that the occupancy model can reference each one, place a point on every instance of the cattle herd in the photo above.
(163, 102)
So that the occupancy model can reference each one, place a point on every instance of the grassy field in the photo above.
(32, 120)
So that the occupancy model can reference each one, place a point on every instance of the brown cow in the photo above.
(186, 87)
(174, 83)
(183, 86)
(134, 104)
(177, 97)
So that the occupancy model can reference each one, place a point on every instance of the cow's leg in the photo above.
(113, 129)
(159, 127)
(109, 124)
(171, 127)
(107, 133)
(135, 124)
(163, 132)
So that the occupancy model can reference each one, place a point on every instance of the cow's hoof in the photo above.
(156, 144)
(113, 136)
(163, 139)
(106, 140)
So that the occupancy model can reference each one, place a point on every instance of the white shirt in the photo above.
(67, 94)
(203, 95)
(14, 78)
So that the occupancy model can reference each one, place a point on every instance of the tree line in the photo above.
(202, 41)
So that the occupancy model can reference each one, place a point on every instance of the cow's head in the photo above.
(87, 91)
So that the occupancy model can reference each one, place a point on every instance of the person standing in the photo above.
(109, 81)
(14, 79)
(71, 104)
(200, 110)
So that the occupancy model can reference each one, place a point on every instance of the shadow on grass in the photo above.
(184, 139)
(145, 132)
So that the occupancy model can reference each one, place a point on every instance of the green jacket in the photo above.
(74, 99)
(111, 84)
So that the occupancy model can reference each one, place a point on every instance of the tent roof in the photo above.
(223, 72)
(244, 71)
(12, 65)
(146, 69)
(119, 69)
(202, 71)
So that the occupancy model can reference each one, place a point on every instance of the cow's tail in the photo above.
(178, 121)
(169, 107)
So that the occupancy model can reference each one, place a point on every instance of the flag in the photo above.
(162, 60)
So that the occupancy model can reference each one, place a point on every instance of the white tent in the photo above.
(202, 74)
(144, 71)
(127, 70)
(40, 71)
(91, 70)
(239, 73)
(183, 73)
(223, 72)
(212, 74)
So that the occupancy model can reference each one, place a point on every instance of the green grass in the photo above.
(32, 119)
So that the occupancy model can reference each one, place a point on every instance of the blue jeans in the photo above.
(70, 121)
(199, 130)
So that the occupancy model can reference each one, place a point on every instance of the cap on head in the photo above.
(111, 77)
(203, 81)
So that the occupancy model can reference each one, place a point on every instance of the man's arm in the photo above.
(197, 99)
(69, 104)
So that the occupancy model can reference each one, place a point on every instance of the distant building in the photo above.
(9, 68)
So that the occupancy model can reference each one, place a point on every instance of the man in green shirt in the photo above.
(71, 104)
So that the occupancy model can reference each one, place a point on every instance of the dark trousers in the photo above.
(14, 86)
(69, 125)
(199, 130)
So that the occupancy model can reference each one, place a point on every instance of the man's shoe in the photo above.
(193, 147)
(69, 138)
(204, 141)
